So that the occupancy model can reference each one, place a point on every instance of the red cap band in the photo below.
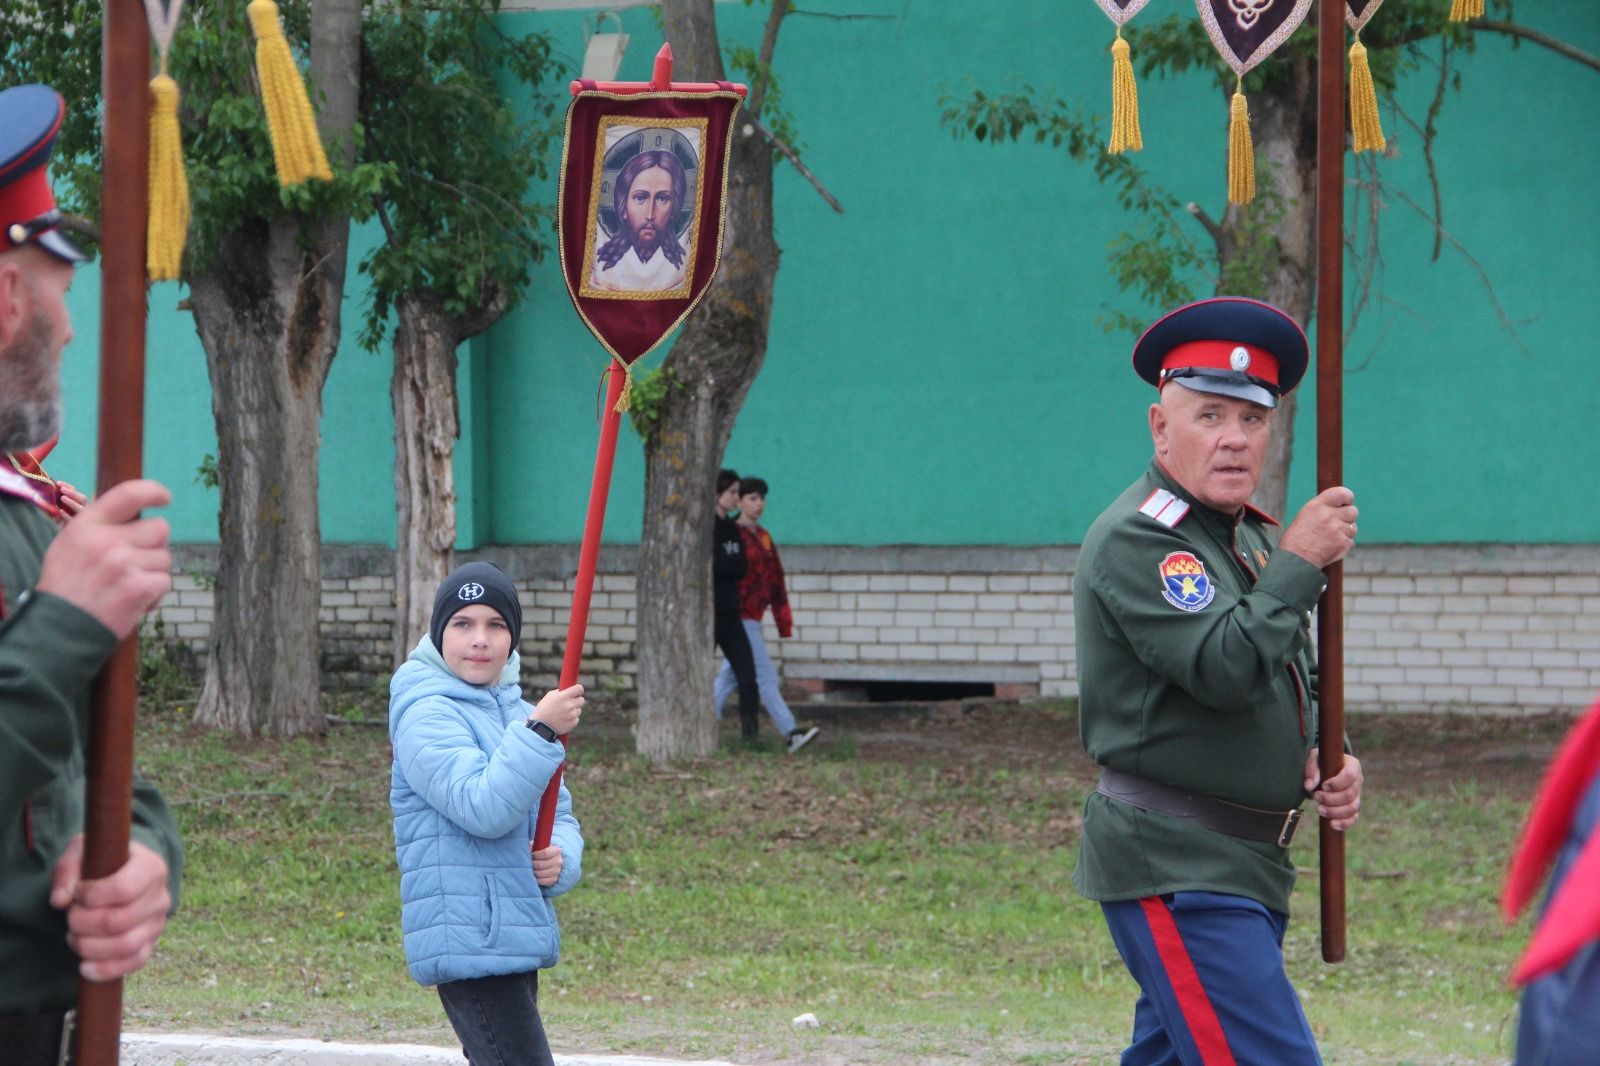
(1224, 355)
(26, 198)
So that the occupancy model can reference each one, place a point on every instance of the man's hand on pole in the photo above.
(1325, 529)
(108, 561)
(1339, 798)
(113, 923)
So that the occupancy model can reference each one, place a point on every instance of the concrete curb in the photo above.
(188, 1049)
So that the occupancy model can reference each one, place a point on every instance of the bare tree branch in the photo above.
(1205, 219)
(1526, 33)
(769, 45)
(794, 160)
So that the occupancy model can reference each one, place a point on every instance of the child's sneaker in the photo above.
(800, 738)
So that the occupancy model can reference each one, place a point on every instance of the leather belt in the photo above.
(37, 1038)
(1234, 819)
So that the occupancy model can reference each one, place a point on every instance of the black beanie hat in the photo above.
(472, 583)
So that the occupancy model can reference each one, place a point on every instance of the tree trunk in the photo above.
(712, 365)
(1284, 127)
(268, 320)
(426, 424)
(268, 316)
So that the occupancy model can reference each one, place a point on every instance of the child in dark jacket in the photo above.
(727, 567)
(471, 761)
(762, 586)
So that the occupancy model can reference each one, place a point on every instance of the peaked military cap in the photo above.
(1227, 345)
(30, 118)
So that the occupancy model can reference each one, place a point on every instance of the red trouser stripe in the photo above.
(1198, 1013)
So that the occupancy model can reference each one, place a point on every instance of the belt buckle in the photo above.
(69, 1025)
(1291, 821)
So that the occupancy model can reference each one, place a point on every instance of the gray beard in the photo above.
(30, 390)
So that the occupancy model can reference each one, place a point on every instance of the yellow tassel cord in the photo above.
(625, 397)
(1125, 135)
(295, 144)
(169, 186)
(1462, 10)
(1241, 152)
(1365, 129)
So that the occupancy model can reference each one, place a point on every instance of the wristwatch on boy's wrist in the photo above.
(541, 729)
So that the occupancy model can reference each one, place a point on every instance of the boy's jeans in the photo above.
(497, 1019)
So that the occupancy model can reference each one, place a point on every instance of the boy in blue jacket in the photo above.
(471, 760)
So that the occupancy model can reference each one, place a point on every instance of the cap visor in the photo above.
(1239, 390)
(57, 245)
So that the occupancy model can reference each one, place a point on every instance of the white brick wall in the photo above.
(1503, 628)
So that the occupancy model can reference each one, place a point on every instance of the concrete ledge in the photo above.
(908, 670)
(187, 1049)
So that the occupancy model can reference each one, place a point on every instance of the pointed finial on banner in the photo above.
(290, 124)
(661, 78)
(1125, 135)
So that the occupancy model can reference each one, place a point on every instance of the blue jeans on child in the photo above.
(497, 1019)
(766, 681)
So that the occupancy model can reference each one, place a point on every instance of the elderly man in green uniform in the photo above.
(68, 594)
(1198, 697)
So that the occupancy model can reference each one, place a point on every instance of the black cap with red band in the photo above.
(1227, 345)
(30, 118)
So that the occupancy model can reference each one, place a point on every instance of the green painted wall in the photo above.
(936, 372)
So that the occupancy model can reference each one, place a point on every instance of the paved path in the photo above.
(185, 1049)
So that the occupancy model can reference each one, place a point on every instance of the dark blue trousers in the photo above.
(1212, 990)
(497, 1019)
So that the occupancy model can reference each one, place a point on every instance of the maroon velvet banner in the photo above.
(643, 181)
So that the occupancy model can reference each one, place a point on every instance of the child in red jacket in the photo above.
(762, 586)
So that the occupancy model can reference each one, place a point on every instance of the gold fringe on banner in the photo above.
(168, 223)
(1365, 129)
(1125, 135)
(290, 124)
(1241, 151)
(1462, 10)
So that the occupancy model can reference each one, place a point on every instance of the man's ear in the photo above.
(1158, 427)
(11, 300)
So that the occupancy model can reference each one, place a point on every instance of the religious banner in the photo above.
(1244, 33)
(1125, 135)
(643, 180)
(1366, 133)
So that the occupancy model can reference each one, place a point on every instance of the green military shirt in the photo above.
(1195, 671)
(50, 652)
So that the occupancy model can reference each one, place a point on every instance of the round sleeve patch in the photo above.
(1184, 582)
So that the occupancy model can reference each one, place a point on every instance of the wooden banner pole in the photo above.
(119, 457)
(1330, 442)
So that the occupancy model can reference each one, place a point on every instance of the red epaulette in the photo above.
(1572, 918)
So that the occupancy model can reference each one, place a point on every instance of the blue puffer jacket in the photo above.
(465, 790)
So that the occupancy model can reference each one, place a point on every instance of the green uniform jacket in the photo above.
(50, 652)
(1195, 670)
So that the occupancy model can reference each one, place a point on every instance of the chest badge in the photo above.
(1185, 584)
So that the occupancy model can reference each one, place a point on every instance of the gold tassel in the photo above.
(1365, 129)
(1125, 135)
(168, 223)
(1241, 152)
(290, 124)
(1462, 10)
(625, 397)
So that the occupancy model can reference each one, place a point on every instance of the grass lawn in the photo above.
(906, 879)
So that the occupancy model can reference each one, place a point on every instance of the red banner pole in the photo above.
(119, 456)
(588, 557)
(1330, 443)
